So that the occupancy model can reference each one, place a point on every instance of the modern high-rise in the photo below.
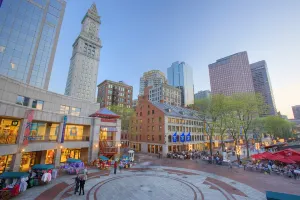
(151, 78)
(262, 84)
(83, 71)
(296, 111)
(29, 32)
(180, 75)
(165, 93)
(231, 75)
(203, 94)
(114, 93)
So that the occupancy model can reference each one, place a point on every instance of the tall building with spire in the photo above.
(83, 71)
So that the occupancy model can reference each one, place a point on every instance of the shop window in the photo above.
(9, 131)
(64, 109)
(24, 101)
(5, 163)
(69, 153)
(29, 159)
(75, 111)
(37, 131)
(73, 132)
(50, 157)
(38, 104)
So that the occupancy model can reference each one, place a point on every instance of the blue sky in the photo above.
(138, 36)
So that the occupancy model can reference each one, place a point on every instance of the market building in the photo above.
(157, 127)
(42, 127)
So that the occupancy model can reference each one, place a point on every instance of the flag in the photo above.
(175, 137)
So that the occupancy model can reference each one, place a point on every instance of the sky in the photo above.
(138, 36)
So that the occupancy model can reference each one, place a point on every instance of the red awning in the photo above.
(257, 156)
(266, 154)
(274, 157)
(295, 158)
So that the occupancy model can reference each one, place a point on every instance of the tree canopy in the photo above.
(125, 114)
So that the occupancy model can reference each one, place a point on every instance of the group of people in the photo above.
(192, 154)
(80, 182)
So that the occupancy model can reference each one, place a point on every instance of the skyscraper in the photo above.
(180, 75)
(231, 75)
(202, 94)
(296, 111)
(83, 71)
(29, 32)
(262, 84)
(151, 78)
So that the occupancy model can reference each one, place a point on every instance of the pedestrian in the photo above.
(115, 167)
(77, 181)
(229, 164)
(82, 182)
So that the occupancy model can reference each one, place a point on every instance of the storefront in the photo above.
(69, 153)
(136, 147)
(5, 163)
(9, 131)
(50, 156)
(154, 148)
(29, 159)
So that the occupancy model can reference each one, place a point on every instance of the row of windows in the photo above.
(185, 129)
(149, 137)
(184, 121)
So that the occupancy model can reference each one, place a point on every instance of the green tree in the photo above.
(278, 127)
(247, 107)
(125, 115)
(210, 111)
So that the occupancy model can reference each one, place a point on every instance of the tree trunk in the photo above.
(247, 145)
(222, 143)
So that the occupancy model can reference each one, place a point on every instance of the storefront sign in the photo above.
(182, 137)
(188, 137)
(175, 137)
(64, 129)
(15, 123)
(29, 117)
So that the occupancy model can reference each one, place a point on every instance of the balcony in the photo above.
(42, 138)
(77, 138)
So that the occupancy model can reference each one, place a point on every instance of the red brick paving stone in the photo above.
(226, 187)
(257, 180)
(51, 193)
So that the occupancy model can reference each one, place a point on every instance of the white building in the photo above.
(165, 93)
(152, 78)
(83, 72)
(46, 138)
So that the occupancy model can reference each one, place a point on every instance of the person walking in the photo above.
(82, 182)
(77, 181)
(115, 167)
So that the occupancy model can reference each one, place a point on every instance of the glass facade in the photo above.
(28, 37)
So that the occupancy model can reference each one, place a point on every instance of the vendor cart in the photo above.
(40, 174)
(12, 183)
(73, 166)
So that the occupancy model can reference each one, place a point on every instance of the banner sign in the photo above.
(182, 137)
(175, 137)
(29, 117)
(64, 129)
(188, 137)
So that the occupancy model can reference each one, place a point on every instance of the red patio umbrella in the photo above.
(257, 156)
(286, 160)
(295, 158)
(274, 157)
(266, 154)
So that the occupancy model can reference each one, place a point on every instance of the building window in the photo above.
(159, 119)
(38, 104)
(152, 128)
(148, 137)
(159, 137)
(148, 112)
(152, 120)
(152, 112)
(24, 101)
(152, 137)
(169, 128)
(140, 113)
(75, 111)
(64, 109)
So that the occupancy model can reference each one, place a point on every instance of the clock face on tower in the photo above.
(92, 28)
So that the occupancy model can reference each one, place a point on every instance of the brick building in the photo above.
(154, 123)
(114, 93)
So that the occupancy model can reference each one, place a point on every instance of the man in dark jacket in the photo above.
(77, 181)
(115, 167)
(82, 182)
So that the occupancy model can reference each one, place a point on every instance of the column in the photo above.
(57, 157)
(16, 162)
(94, 139)
(43, 157)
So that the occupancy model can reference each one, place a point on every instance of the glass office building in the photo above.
(29, 31)
(180, 75)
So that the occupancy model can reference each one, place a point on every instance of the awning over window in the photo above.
(108, 128)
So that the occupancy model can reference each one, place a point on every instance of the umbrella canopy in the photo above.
(274, 157)
(103, 158)
(14, 175)
(266, 154)
(42, 167)
(286, 160)
(257, 156)
(288, 152)
(295, 158)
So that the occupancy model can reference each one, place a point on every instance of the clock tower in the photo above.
(83, 71)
